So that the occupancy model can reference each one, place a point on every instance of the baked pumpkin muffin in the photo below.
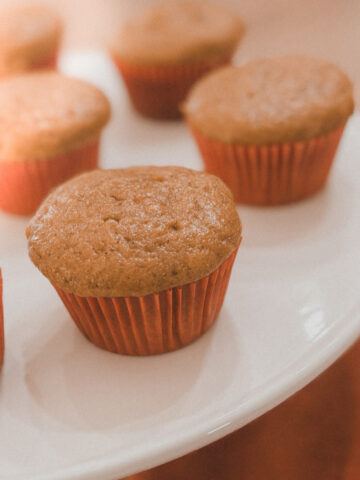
(50, 128)
(30, 37)
(141, 257)
(270, 129)
(167, 47)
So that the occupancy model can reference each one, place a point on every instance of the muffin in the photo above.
(2, 343)
(50, 127)
(270, 129)
(29, 39)
(141, 257)
(167, 47)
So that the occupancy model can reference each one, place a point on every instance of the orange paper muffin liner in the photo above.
(152, 324)
(157, 92)
(2, 342)
(24, 185)
(271, 174)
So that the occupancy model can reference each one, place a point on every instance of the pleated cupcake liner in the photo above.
(151, 324)
(2, 341)
(271, 174)
(158, 92)
(24, 185)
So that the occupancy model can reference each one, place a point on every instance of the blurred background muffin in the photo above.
(324, 29)
(50, 128)
(30, 38)
(270, 128)
(163, 50)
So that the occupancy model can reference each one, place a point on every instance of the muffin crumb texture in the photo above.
(133, 232)
(270, 101)
(179, 32)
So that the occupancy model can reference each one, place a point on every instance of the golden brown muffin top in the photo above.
(44, 114)
(27, 34)
(270, 101)
(134, 231)
(178, 32)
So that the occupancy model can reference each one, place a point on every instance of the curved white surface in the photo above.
(71, 411)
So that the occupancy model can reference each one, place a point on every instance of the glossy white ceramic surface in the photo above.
(71, 411)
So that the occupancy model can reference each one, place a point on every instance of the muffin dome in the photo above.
(45, 114)
(134, 231)
(28, 36)
(270, 101)
(179, 32)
